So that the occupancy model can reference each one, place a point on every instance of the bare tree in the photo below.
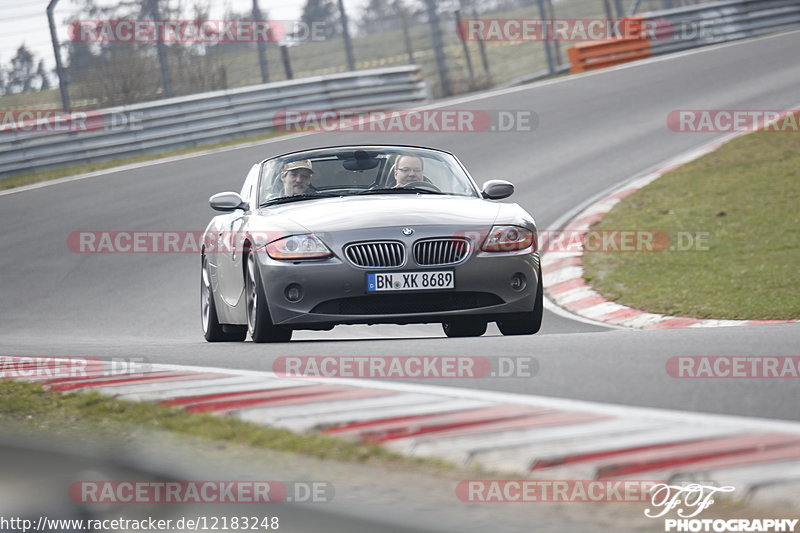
(41, 73)
(378, 16)
(325, 11)
(21, 74)
(129, 72)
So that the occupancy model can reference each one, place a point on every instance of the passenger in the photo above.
(296, 178)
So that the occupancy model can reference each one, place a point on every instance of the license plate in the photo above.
(411, 281)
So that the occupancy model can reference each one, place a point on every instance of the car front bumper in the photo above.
(334, 291)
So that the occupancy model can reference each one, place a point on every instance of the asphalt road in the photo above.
(593, 132)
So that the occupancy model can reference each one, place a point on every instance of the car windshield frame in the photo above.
(378, 159)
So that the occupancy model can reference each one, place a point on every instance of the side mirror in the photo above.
(497, 189)
(226, 201)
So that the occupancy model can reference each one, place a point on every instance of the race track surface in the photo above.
(594, 132)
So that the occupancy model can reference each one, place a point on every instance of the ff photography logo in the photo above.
(694, 498)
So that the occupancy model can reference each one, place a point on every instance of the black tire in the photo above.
(525, 323)
(259, 323)
(465, 327)
(213, 331)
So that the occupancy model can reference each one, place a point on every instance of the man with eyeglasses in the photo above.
(407, 169)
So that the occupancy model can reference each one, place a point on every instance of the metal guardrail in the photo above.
(693, 26)
(601, 54)
(687, 27)
(209, 117)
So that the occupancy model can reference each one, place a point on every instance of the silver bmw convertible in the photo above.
(367, 235)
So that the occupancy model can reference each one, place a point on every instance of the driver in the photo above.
(296, 178)
(407, 169)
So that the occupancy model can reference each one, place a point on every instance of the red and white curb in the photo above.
(562, 272)
(547, 438)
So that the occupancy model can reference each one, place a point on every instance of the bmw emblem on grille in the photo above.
(408, 231)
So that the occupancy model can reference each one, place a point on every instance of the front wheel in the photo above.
(525, 323)
(259, 323)
(212, 329)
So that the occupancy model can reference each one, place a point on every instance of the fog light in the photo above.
(519, 281)
(293, 292)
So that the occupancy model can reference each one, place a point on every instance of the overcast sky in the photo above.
(26, 21)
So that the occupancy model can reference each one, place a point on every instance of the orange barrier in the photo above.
(600, 54)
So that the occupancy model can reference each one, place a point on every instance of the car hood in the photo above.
(346, 213)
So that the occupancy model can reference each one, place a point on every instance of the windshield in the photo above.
(368, 170)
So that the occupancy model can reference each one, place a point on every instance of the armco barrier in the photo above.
(629, 46)
(601, 54)
(691, 27)
(683, 28)
(209, 117)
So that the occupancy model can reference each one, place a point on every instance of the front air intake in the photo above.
(440, 252)
(382, 254)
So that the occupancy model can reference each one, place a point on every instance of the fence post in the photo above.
(162, 51)
(63, 86)
(634, 7)
(287, 65)
(261, 46)
(348, 46)
(223, 76)
(406, 36)
(484, 56)
(465, 48)
(546, 42)
(438, 46)
(619, 9)
(556, 44)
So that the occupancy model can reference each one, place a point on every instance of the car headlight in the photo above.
(298, 247)
(508, 239)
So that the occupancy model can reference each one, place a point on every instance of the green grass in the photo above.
(29, 178)
(746, 196)
(90, 415)
(49, 99)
